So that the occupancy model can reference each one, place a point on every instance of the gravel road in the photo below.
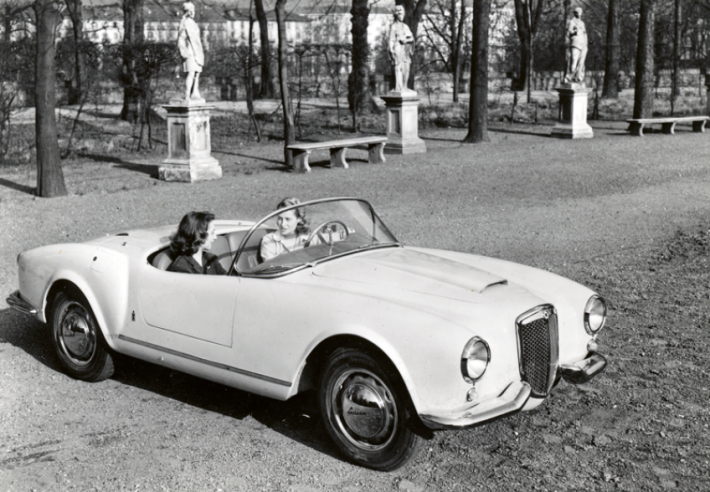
(605, 212)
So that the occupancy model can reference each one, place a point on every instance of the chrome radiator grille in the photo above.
(538, 348)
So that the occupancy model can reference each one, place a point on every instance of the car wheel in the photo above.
(77, 339)
(365, 411)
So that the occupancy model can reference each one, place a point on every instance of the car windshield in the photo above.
(326, 229)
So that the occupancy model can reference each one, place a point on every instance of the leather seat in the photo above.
(163, 259)
(250, 256)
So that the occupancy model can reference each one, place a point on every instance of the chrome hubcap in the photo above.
(76, 336)
(364, 409)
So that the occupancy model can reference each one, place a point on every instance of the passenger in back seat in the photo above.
(194, 235)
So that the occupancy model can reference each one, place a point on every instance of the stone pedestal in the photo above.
(189, 146)
(403, 123)
(573, 121)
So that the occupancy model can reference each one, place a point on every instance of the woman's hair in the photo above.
(191, 233)
(302, 227)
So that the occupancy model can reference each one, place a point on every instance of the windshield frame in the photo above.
(374, 217)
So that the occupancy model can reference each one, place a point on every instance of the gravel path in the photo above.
(598, 211)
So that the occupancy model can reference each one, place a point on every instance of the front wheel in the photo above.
(77, 339)
(364, 410)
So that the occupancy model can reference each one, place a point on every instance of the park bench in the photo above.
(301, 151)
(667, 124)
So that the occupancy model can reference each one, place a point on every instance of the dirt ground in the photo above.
(630, 217)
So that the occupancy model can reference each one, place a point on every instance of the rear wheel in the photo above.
(77, 338)
(365, 411)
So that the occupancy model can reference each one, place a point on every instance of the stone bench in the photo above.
(667, 124)
(301, 151)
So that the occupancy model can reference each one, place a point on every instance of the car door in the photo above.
(189, 313)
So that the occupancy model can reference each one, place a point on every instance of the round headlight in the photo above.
(594, 314)
(474, 359)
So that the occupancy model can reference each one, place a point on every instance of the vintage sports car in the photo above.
(395, 340)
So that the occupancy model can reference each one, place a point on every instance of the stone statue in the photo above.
(576, 48)
(193, 56)
(401, 43)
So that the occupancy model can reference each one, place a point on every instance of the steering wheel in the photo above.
(325, 226)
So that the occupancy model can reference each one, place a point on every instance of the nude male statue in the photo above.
(576, 48)
(401, 42)
(190, 46)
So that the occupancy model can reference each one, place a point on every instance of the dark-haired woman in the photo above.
(292, 233)
(194, 235)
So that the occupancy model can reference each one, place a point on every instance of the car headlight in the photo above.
(594, 314)
(474, 359)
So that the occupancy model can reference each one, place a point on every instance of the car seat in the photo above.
(250, 255)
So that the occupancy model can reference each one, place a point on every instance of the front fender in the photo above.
(100, 274)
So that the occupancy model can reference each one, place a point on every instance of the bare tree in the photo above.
(133, 37)
(283, 81)
(50, 177)
(74, 8)
(267, 89)
(445, 30)
(611, 70)
(359, 93)
(643, 94)
(335, 56)
(677, 47)
(478, 104)
(17, 65)
(527, 18)
(248, 80)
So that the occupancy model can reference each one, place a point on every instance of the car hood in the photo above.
(413, 271)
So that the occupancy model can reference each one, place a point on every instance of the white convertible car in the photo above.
(397, 341)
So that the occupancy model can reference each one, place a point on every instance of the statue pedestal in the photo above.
(573, 122)
(189, 146)
(403, 123)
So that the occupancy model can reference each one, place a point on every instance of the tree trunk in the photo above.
(283, 80)
(413, 13)
(7, 24)
(267, 89)
(132, 36)
(677, 44)
(74, 8)
(478, 104)
(359, 90)
(50, 178)
(458, 42)
(613, 50)
(643, 94)
(527, 17)
(249, 81)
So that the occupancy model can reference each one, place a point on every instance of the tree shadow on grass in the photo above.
(297, 418)
(520, 132)
(249, 156)
(149, 169)
(30, 190)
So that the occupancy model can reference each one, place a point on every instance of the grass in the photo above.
(101, 135)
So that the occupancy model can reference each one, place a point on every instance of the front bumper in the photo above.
(16, 302)
(583, 370)
(512, 400)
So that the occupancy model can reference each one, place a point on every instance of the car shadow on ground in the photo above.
(297, 418)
